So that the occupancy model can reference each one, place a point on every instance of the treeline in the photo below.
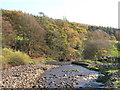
(41, 36)
(109, 30)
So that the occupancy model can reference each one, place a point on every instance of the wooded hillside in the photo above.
(41, 36)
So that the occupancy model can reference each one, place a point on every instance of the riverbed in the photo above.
(23, 76)
(70, 76)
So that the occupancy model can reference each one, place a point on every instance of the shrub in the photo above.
(13, 58)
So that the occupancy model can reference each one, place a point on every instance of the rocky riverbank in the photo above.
(23, 76)
(109, 68)
(70, 76)
(40, 76)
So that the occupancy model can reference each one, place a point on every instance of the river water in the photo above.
(71, 76)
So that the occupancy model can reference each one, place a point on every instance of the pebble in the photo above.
(24, 76)
(65, 75)
(31, 78)
(54, 75)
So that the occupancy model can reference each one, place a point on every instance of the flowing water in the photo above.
(69, 75)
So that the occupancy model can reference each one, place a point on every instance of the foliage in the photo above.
(41, 36)
(96, 49)
(109, 30)
(13, 58)
(25, 33)
(39, 61)
(114, 51)
(112, 71)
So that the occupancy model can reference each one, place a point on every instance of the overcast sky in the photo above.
(93, 12)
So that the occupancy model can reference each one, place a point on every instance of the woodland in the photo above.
(41, 36)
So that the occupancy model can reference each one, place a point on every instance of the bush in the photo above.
(13, 58)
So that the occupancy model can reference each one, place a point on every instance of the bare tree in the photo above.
(95, 49)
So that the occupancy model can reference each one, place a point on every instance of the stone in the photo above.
(80, 75)
(65, 75)
(62, 83)
(24, 76)
(52, 82)
(77, 83)
(54, 75)
(33, 86)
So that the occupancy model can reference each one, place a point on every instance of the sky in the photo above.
(93, 12)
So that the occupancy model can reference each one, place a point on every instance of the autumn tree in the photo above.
(96, 49)
(55, 38)
(8, 34)
(98, 35)
(29, 33)
(117, 35)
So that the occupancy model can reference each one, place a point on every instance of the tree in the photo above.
(117, 35)
(8, 34)
(41, 14)
(33, 33)
(29, 34)
(96, 49)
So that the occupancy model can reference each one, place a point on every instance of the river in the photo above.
(70, 76)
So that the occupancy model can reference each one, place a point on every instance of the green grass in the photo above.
(49, 60)
(99, 66)
(112, 71)
(41, 60)
(114, 41)
(89, 61)
(114, 51)
(104, 79)
(31, 61)
(104, 71)
(117, 82)
(117, 78)
(117, 86)
(93, 67)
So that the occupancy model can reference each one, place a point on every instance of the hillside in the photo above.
(41, 36)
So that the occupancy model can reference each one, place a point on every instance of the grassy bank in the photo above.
(105, 67)
(43, 60)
